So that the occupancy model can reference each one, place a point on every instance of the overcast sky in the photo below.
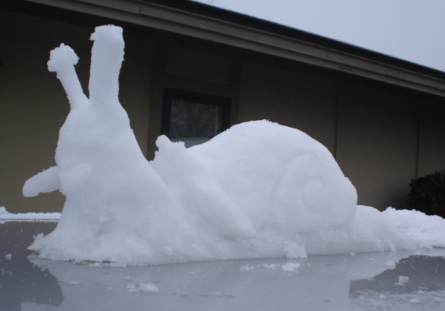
(413, 30)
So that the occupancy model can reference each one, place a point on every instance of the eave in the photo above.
(202, 22)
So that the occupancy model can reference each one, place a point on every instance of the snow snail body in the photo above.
(258, 189)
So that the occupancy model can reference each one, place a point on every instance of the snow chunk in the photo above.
(148, 288)
(414, 301)
(145, 288)
(390, 263)
(247, 267)
(402, 280)
(290, 266)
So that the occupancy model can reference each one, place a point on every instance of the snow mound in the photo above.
(256, 190)
(427, 231)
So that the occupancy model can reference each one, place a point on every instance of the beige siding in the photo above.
(432, 138)
(33, 105)
(297, 100)
(198, 65)
(377, 144)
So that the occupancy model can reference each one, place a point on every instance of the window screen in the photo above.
(192, 117)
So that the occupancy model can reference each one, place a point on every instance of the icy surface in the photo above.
(344, 282)
(257, 190)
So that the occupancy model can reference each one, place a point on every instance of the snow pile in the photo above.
(7, 216)
(257, 190)
(427, 231)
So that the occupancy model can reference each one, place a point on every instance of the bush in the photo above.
(428, 194)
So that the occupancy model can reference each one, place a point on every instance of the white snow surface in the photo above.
(7, 216)
(256, 190)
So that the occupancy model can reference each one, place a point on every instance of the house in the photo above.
(381, 117)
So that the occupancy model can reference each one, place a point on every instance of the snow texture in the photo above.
(256, 190)
(6, 216)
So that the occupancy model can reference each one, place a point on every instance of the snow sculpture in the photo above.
(257, 190)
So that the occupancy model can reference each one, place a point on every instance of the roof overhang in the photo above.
(211, 27)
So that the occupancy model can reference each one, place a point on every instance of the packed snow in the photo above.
(257, 190)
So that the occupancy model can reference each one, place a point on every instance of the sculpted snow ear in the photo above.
(62, 61)
(106, 61)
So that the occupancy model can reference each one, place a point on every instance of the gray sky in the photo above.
(413, 30)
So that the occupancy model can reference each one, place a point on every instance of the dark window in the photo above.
(194, 118)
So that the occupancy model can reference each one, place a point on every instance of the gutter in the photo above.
(191, 19)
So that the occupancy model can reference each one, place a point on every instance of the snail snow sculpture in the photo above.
(258, 189)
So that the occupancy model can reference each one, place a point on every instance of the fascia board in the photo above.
(169, 19)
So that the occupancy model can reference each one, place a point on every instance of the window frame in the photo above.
(224, 103)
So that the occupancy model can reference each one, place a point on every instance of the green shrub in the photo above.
(428, 194)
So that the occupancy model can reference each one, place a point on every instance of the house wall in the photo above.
(431, 136)
(382, 136)
(295, 99)
(377, 143)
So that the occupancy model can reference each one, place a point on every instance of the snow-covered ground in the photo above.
(257, 190)
(403, 280)
(346, 282)
(6, 216)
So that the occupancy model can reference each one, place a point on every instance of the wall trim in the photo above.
(155, 15)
